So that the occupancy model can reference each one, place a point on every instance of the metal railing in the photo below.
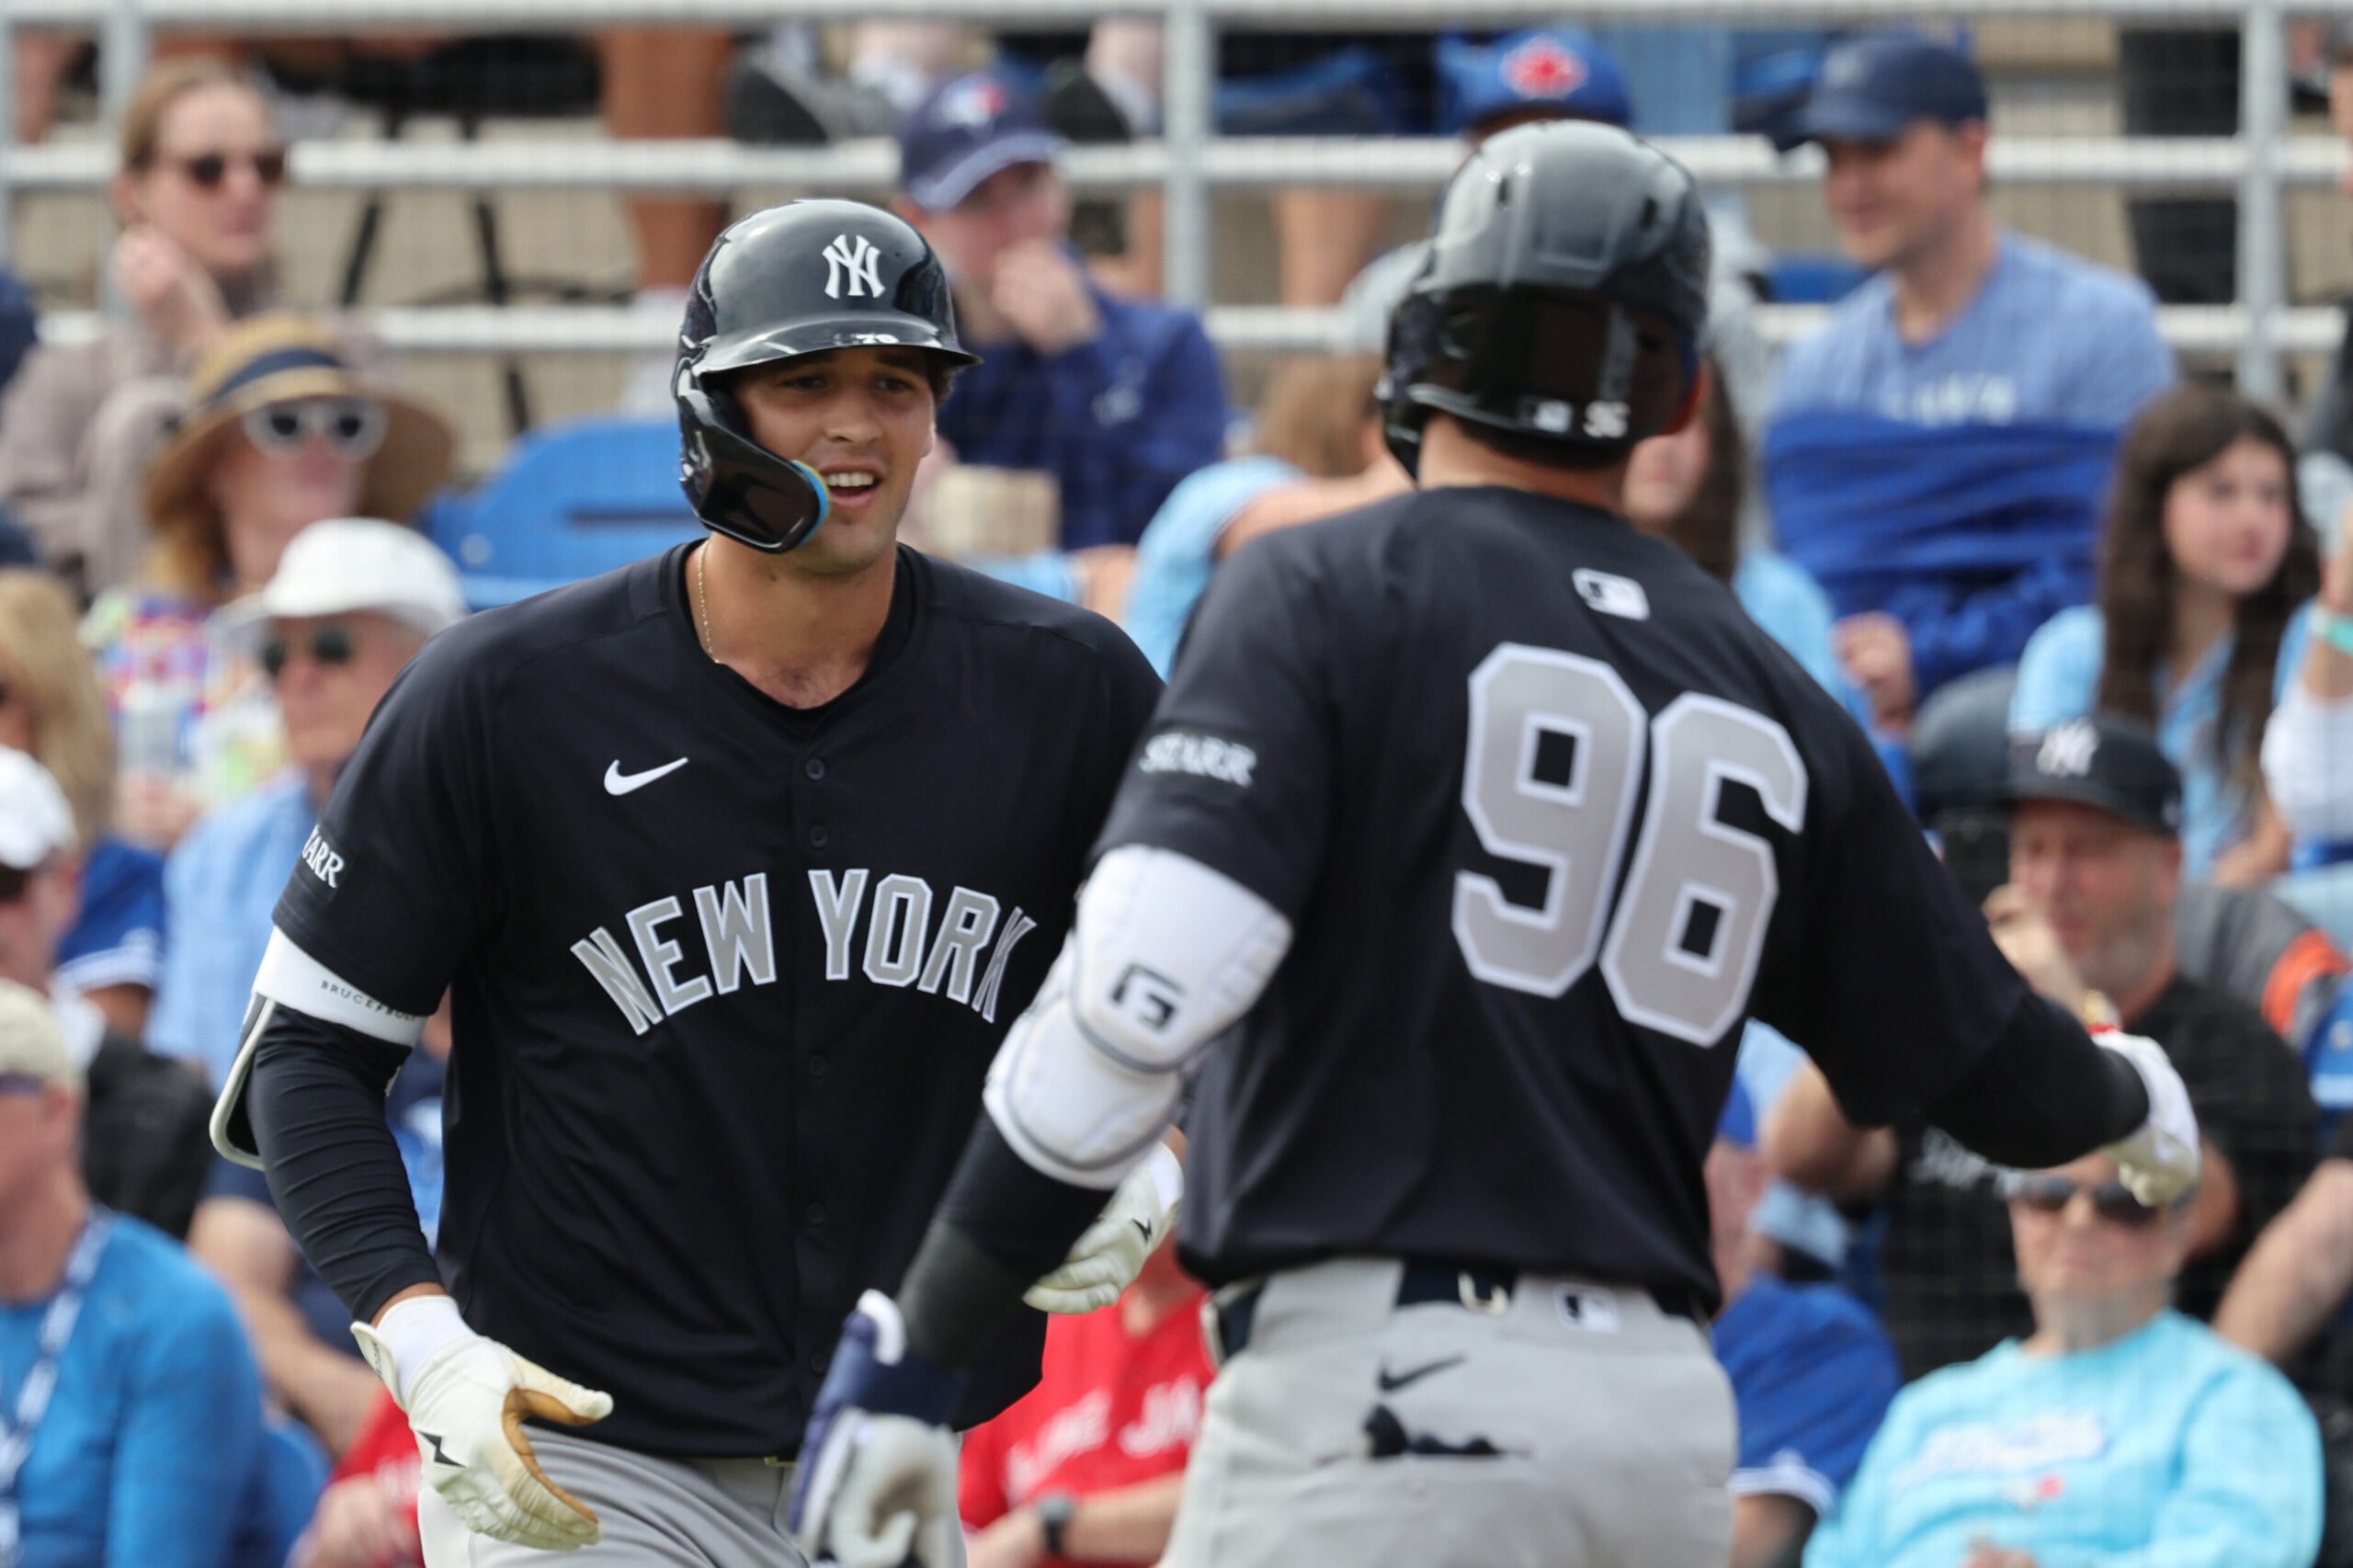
(1190, 161)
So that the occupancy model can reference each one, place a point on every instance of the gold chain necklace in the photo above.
(702, 600)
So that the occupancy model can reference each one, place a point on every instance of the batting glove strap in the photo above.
(878, 1463)
(1105, 1259)
(466, 1400)
(2160, 1161)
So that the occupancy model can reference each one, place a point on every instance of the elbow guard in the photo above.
(1168, 955)
(292, 980)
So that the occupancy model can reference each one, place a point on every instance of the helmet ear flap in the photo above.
(1413, 348)
(738, 487)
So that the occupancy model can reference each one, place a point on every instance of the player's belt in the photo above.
(1418, 1284)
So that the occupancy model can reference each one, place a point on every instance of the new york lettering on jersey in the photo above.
(902, 945)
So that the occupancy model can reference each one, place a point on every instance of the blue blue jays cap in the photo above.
(967, 131)
(1561, 70)
(1874, 87)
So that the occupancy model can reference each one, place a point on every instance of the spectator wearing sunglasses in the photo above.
(282, 433)
(2095, 867)
(351, 601)
(2117, 1431)
(145, 1152)
(199, 170)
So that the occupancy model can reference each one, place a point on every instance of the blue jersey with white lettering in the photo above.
(726, 975)
(2048, 338)
(2166, 1448)
(1812, 1374)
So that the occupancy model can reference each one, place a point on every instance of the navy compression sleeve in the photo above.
(317, 1102)
(1003, 1225)
(2044, 1094)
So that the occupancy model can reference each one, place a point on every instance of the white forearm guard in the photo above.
(1167, 955)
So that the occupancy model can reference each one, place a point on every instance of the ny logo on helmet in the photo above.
(855, 258)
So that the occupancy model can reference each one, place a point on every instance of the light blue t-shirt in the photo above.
(2058, 679)
(2167, 1448)
(1179, 549)
(2049, 337)
(221, 889)
(149, 1450)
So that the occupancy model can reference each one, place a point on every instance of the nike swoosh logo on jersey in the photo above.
(1391, 1381)
(619, 783)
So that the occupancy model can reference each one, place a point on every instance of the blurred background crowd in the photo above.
(2091, 599)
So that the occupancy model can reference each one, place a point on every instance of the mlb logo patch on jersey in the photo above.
(1612, 595)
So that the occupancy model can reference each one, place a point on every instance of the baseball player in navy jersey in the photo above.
(738, 864)
(1471, 829)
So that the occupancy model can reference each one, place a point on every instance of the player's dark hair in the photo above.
(1707, 527)
(2182, 431)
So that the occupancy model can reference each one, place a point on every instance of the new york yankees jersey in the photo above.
(726, 975)
(1551, 818)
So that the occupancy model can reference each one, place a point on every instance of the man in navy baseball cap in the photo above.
(1536, 73)
(976, 126)
(1115, 397)
(1877, 87)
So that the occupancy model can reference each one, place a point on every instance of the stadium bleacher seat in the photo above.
(574, 499)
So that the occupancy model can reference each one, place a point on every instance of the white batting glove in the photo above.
(878, 1461)
(1107, 1257)
(466, 1397)
(2159, 1163)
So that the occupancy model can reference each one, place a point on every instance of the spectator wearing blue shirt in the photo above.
(1318, 451)
(1940, 447)
(2206, 571)
(353, 598)
(1117, 399)
(1812, 1372)
(120, 1361)
(53, 706)
(2118, 1432)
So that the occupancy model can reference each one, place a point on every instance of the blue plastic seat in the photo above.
(575, 499)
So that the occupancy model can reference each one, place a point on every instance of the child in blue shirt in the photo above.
(2206, 572)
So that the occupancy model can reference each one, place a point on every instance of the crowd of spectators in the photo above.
(2074, 598)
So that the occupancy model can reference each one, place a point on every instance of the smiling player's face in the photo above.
(862, 417)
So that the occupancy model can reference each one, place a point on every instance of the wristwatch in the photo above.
(1054, 1510)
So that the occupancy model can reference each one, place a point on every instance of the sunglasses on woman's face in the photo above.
(13, 884)
(209, 169)
(351, 427)
(2111, 1200)
(330, 648)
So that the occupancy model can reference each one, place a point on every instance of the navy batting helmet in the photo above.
(1564, 298)
(801, 279)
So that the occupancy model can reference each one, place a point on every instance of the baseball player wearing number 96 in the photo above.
(1471, 831)
(738, 863)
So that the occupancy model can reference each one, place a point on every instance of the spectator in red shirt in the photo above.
(1088, 1468)
(366, 1517)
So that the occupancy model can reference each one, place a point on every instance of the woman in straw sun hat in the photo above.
(280, 433)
